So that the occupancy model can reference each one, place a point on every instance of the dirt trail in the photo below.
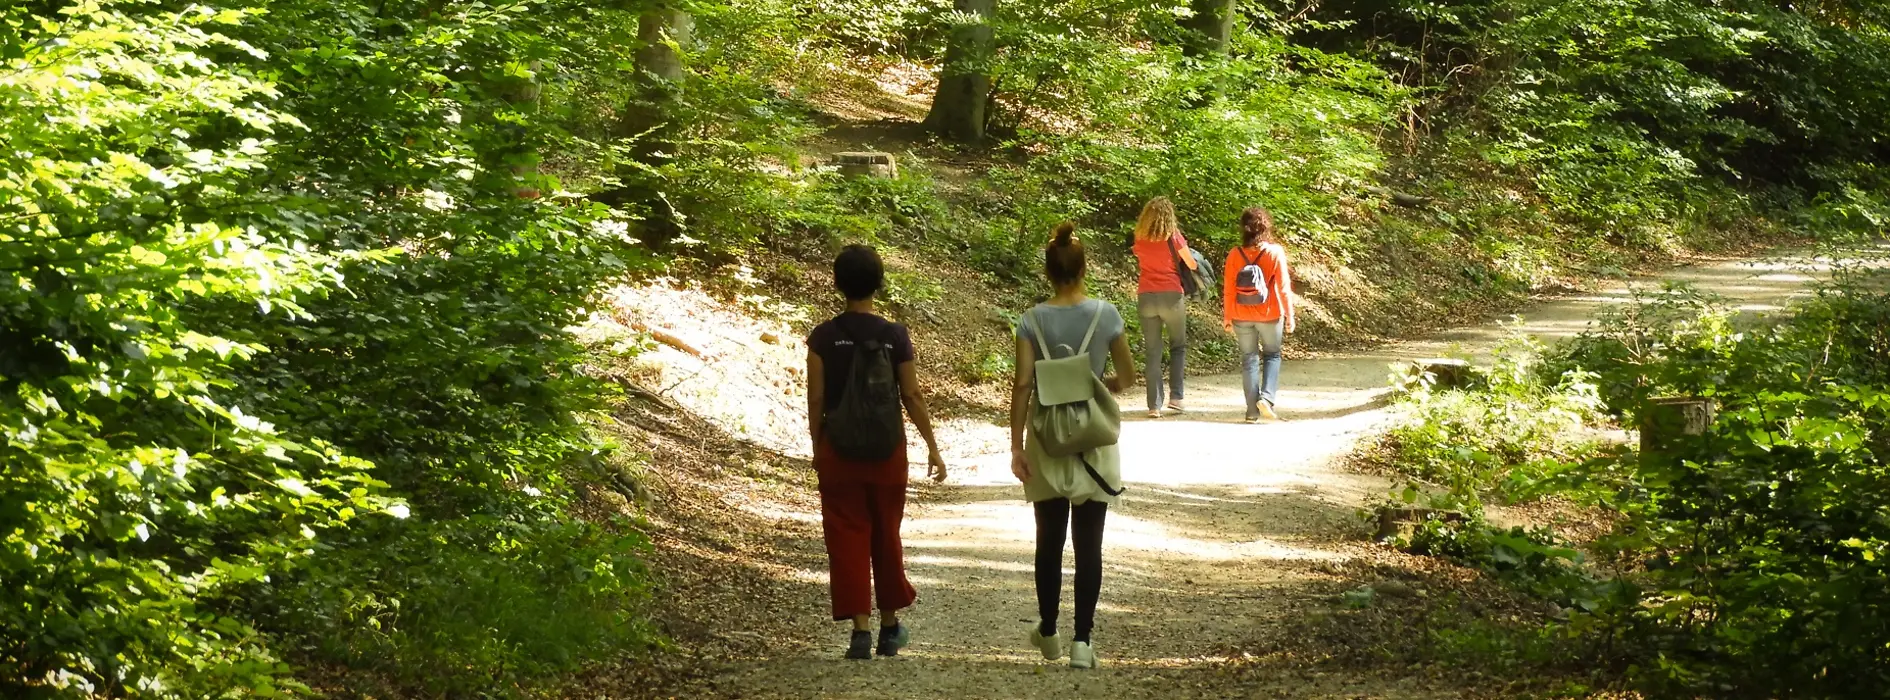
(1227, 529)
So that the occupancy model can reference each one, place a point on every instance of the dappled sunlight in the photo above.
(924, 560)
(1150, 536)
(778, 511)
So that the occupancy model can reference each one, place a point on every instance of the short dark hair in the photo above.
(858, 273)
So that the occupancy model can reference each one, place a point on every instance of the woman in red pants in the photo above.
(860, 373)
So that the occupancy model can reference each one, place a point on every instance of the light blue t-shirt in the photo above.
(1064, 326)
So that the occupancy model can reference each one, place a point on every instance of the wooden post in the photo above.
(1445, 373)
(1672, 419)
(1401, 522)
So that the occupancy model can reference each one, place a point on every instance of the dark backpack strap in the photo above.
(1104, 484)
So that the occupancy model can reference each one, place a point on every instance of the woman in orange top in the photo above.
(1257, 305)
(1161, 301)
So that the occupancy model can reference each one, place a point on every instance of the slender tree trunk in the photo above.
(522, 93)
(964, 84)
(1211, 28)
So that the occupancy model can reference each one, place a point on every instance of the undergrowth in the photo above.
(1746, 561)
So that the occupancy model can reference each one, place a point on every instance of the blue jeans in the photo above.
(1260, 344)
(1160, 310)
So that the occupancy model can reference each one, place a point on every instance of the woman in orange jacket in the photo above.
(1257, 305)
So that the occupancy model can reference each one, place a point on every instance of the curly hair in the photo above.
(1158, 221)
(1256, 225)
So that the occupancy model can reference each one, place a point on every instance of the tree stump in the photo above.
(867, 164)
(1402, 522)
(1445, 373)
(1671, 420)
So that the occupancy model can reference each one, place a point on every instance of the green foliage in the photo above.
(992, 367)
(1749, 561)
(1766, 534)
(483, 606)
(267, 278)
(1272, 124)
(137, 491)
(1501, 434)
(1636, 119)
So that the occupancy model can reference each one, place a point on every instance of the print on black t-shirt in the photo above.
(836, 351)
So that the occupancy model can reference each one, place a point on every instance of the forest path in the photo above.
(1227, 528)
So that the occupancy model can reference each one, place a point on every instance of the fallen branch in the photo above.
(666, 338)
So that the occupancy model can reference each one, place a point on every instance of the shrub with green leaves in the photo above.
(138, 494)
(283, 341)
(1500, 434)
(1748, 561)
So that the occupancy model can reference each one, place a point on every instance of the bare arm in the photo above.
(1021, 385)
(816, 395)
(1125, 365)
(1286, 294)
(1229, 273)
(914, 399)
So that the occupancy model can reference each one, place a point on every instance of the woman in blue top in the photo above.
(1067, 494)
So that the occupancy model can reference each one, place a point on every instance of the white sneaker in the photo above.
(1266, 411)
(1050, 646)
(1082, 656)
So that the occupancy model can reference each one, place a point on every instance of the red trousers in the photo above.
(861, 523)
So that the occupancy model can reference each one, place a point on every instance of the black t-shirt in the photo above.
(832, 341)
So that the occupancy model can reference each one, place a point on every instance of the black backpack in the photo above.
(867, 424)
(1190, 279)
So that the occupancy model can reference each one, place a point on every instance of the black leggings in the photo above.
(1053, 518)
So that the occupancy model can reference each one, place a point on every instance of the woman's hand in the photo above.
(1020, 467)
(937, 463)
(1227, 325)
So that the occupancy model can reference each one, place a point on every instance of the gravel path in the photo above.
(1227, 529)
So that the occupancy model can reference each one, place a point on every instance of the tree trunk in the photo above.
(657, 84)
(649, 117)
(522, 93)
(1211, 28)
(964, 84)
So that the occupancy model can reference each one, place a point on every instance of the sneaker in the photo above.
(1050, 647)
(862, 645)
(1266, 411)
(891, 643)
(1082, 656)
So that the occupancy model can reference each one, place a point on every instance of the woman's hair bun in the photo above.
(1066, 232)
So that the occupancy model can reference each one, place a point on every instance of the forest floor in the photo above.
(1230, 537)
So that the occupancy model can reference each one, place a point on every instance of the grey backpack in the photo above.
(867, 425)
(1075, 412)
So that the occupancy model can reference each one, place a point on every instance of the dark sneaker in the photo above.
(862, 645)
(890, 642)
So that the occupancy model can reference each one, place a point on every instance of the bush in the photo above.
(1509, 429)
(248, 322)
(1750, 561)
